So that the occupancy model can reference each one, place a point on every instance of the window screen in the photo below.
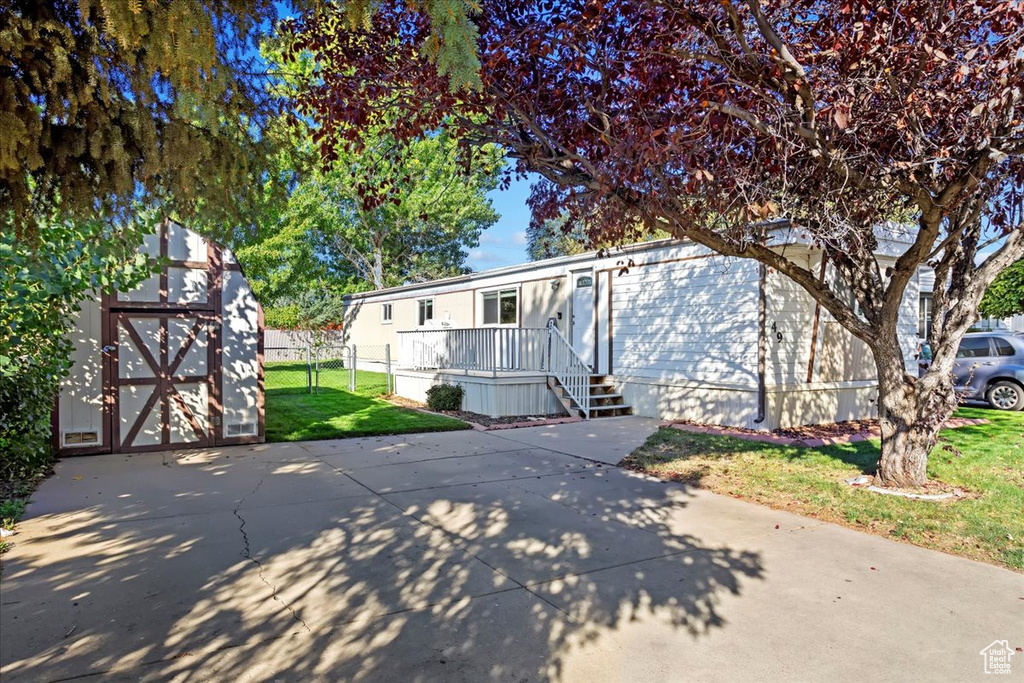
(500, 308)
(426, 311)
(975, 347)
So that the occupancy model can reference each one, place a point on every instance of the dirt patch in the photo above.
(831, 431)
(479, 419)
(404, 402)
(933, 489)
(823, 431)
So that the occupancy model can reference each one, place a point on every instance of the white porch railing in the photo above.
(500, 349)
(485, 349)
(569, 369)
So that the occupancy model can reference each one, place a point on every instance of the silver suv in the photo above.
(990, 367)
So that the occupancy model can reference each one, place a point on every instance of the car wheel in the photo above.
(1005, 396)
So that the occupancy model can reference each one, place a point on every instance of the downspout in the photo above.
(762, 342)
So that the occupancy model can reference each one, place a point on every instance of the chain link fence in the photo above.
(364, 370)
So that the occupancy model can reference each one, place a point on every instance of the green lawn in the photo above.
(293, 414)
(987, 460)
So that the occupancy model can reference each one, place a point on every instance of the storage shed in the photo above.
(177, 362)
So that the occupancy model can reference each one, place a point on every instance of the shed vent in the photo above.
(90, 438)
(241, 429)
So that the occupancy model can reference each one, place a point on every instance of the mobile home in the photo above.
(665, 329)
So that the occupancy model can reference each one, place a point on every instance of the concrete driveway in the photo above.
(513, 556)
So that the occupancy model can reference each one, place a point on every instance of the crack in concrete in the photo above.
(259, 565)
(456, 540)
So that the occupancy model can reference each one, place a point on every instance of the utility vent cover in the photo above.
(241, 429)
(90, 438)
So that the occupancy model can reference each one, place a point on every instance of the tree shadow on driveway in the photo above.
(270, 563)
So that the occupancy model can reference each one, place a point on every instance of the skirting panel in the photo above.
(501, 396)
(791, 406)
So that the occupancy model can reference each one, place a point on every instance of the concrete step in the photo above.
(625, 410)
(614, 406)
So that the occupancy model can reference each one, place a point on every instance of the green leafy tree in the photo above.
(109, 104)
(377, 218)
(389, 215)
(319, 312)
(379, 215)
(552, 237)
(558, 237)
(1005, 296)
(106, 107)
(40, 291)
(113, 104)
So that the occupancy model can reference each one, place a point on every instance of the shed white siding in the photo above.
(176, 361)
(241, 357)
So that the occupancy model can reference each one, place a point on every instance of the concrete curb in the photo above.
(778, 439)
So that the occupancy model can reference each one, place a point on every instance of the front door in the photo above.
(583, 314)
(162, 379)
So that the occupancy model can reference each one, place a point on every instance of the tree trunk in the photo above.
(906, 444)
(911, 411)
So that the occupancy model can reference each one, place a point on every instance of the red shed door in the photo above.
(162, 380)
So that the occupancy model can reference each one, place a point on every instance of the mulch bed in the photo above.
(833, 430)
(487, 421)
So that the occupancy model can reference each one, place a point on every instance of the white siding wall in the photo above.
(687, 320)
(239, 360)
(790, 315)
(684, 327)
(81, 393)
(363, 324)
(908, 323)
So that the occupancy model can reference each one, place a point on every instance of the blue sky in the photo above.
(504, 244)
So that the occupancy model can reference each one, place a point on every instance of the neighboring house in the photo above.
(926, 277)
(665, 329)
(176, 362)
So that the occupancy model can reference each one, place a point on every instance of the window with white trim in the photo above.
(501, 308)
(426, 311)
(385, 313)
